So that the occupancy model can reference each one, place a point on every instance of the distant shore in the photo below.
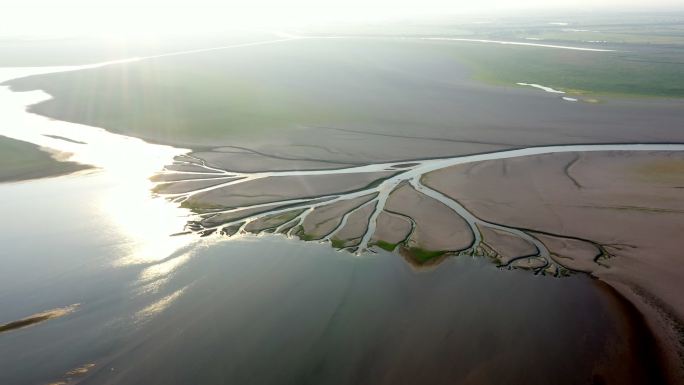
(24, 161)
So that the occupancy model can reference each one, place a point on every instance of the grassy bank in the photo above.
(21, 161)
(620, 73)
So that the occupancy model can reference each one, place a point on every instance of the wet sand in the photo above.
(324, 220)
(437, 228)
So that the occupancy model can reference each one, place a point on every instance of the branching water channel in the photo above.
(287, 216)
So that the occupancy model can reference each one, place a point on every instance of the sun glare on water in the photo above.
(126, 163)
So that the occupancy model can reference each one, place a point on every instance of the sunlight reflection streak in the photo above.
(151, 310)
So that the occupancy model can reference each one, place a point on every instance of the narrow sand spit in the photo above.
(554, 46)
(541, 87)
(38, 318)
(550, 90)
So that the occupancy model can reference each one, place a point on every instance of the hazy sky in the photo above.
(140, 16)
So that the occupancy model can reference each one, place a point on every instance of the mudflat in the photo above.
(345, 100)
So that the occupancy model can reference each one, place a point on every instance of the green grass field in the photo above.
(422, 256)
(630, 74)
(386, 245)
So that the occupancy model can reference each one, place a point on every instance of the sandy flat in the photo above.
(246, 160)
(576, 254)
(437, 228)
(529, 263)
(506, 245)
(175, 187)
(391, 228)
(325, 219)
(281, 188)
(271, 221)
(220, 218)
(356, 226)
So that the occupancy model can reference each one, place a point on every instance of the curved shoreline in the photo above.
(642, 334)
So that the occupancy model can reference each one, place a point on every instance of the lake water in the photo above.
(267, 310)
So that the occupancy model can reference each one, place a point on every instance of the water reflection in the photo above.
(126, 163)
(157, 307)
(277, 311)
(162, 269)
(146, 222)
(119, 204)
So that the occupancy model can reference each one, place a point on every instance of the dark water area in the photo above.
(266, 310)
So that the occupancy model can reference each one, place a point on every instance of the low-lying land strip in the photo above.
(23, 161)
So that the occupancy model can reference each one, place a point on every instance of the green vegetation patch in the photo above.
(279, 219)
(423, 256)
(386, 245)
(619, 73)
(275, 220)
(337, 243)
(303, 235)
(21, 161)
(199, 206)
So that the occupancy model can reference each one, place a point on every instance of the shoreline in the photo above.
(666, 328)
(24, 161)
(648, 340)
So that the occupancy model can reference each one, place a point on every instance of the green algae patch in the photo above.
(199, 206)
(337, 243)
(303, 235)
(422, 256)
(386, 245)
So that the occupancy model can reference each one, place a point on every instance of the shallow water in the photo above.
(266, 310)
